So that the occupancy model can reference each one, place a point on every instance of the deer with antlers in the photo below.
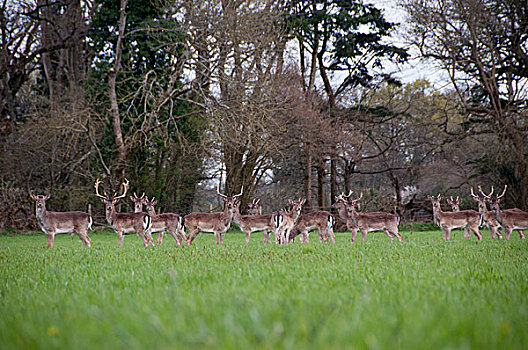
(341, 205)
(138, 202)
(217, 223)
(254, 222)
(321, 220)
(284, 221)
(454, 203)
(170, 222)
(448, 221)
(487, 215)
(53, 222)
(455, 206)
(373, 221)
(123, 223)
(254, 207)
(509, 219)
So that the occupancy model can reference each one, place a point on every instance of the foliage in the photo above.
(367, 295)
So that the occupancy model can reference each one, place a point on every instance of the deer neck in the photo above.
(341, 210)
(228, 215)
(110, 216)
(41, 215)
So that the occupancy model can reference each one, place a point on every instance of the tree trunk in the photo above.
(308, 177)
(320, 183)
(114, 108)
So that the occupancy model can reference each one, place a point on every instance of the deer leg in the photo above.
(192, 235)
(159, 237)
(305, 237)
(222, 235)
(354, 233)
(397, 234)
(331, 233)
(388, 234)
(119, 237)
(521, 234)
(467, 234)
(248, 233)
(507, 232)
(266, 235)
(363, 235)
(447, 233)
(476, 232)
(51, 237)
(172, 231)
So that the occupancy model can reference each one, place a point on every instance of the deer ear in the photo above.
(132, 198)
(155, 202)
(290, 201)
(46, 197)
(115, 200)
(32, 195)
(103, 200)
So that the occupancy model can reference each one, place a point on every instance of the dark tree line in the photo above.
(284, 98)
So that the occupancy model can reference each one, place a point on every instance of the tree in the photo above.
(482, 45)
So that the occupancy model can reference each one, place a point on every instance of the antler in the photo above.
(240, 194)
(486, 196)
(503, 192)
(473, 194)
(218, 191)
(97, 182)
(125, 184)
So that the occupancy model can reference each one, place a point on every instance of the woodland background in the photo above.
(289, 99)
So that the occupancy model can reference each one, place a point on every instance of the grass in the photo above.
(420, 293)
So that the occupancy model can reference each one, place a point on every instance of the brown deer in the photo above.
(254, 207)
(284, 220)
(341, 205)
(138, 202)
(454, 203)
(373, 221)
(509, 219)
(487, 215)
(53, 222)
(253, 223)
(170, 222)
(123, 223)
(455, 206)
(217, 223)
(450, 220)
(322, 221)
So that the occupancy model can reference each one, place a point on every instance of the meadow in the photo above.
(419, 293)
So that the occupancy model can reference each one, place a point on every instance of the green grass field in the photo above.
(418, 294)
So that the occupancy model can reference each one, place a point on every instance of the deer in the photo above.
(253, 223)
(448, 221)
(123, 223)
(373, 221)
(341, 205)
(284, 221)
(170, 222)
(53, 222)
(138, 202)
(509, 219)
(217, 223)
(487, 215)
(321, 220)
(454, 203)
(455, 206)
(254, 207)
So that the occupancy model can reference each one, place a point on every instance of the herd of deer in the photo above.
(285, 224)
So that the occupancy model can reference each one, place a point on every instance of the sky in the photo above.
(416, 68)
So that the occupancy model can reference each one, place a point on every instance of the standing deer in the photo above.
(53, 222)
(374, 221)
(322, 221)
(487, 215)
(455, 206)
(454, 203)
(170, 222)
(448, 221)
(509, 219)
(253, 223)
(122, 223)
(254, 207)
(217, 223)
(138, 202)
(341, 205)
(284, 221)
